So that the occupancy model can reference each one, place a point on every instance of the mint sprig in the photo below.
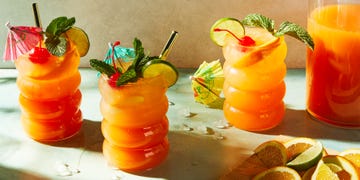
(134, 71)
(259, 20)
(288, 28)
(295, 31)
(55, 41)
(102, 67)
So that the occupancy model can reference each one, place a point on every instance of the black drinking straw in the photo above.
(166, 50)
(36, 15)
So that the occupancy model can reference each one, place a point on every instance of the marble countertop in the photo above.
(194, 152)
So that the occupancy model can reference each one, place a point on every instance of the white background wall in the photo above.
(153, 20)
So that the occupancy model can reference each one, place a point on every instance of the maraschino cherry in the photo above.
(244, 41)
(39, 55)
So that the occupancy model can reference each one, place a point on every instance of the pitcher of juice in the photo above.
(49, 79)
(134, 106)
(254, 69)
(333, 68)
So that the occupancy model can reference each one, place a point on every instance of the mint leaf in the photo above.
(295, 31)
(56, 45)
(55, 42)
(133, 73)
(102, 67)
(259, 20)
(139, 51)
(59, 25)
(129, 76)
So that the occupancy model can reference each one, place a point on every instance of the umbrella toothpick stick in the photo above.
(36, 15)
(166, 50)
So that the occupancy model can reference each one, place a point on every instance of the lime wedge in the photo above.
(308, 158)
(296, 146)
(160, 67)
(80, 39)
(227, 23)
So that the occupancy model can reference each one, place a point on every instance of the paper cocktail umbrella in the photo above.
(207, 82)
(20, 40)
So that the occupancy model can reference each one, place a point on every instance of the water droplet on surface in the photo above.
(64, 169)
(222, 124)
(118, 176)
(218, 136)
(206, 130)
(195, 163)
(187, 113)
(185, 127)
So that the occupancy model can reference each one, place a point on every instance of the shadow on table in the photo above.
(89, 137)
(193, 155)
(14, 174)
(300, 123)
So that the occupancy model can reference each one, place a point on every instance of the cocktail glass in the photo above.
(49, 95)
(254, 80)
(134, 123)
(333, 68)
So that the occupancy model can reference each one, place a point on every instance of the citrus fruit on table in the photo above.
(335, 167)
(352, 155)
(278, 173)
(160, 67)
(272, 153)
(296, 146)
(80, 39)
(267, 155)
(308, 158)
(231, 24)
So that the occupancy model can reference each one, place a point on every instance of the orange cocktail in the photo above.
(333, 68)
(254, 81)
(134, 106)
(135, 125)
(49, 95)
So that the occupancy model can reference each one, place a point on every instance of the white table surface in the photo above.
(193, 153)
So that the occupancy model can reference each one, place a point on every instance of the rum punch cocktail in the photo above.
(333, 68)
(48, 77)
(134, 106)
(254, 69)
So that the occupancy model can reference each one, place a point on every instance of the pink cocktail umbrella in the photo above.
(20, 40)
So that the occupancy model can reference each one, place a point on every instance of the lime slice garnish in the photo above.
(80, 39)
(230, 24)
(160, 67)
(308, 158)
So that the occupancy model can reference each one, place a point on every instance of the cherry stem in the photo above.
(219, 29)
(116, 43)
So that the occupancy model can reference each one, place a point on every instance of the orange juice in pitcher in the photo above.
(333, 68)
